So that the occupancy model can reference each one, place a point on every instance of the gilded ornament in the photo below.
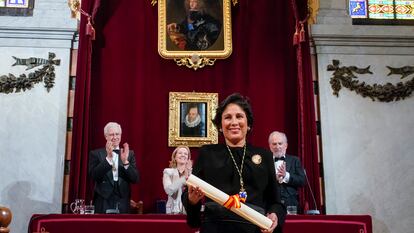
(75, 6)
(195, 62)
(313, 10)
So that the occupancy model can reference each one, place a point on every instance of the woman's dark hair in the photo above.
(241, 101)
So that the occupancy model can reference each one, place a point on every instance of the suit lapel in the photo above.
(120, 165)
(288, 163)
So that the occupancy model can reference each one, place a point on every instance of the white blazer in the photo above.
(173, 186)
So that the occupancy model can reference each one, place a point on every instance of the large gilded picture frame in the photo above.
(190, 118)
(194, 32)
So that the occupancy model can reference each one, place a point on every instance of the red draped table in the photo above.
(328, 224)
(161, 223)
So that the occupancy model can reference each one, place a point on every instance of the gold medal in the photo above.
(257, 159)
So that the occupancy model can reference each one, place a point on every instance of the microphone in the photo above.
(315, 211)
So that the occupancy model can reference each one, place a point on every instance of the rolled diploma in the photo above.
(220, 197)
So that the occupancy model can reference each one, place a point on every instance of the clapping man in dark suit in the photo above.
(113, 169)
(289, 171)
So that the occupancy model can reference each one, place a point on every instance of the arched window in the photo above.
(16, 7)
(382, 11)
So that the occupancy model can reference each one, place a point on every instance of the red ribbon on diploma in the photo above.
(234, 201)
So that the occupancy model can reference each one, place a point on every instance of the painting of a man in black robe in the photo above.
(197, 27)
(193, 118)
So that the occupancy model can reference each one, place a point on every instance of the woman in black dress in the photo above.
(235, 167)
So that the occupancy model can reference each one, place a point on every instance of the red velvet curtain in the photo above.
(307, 149)
(310, 196)
(79, 186)
(130, 82)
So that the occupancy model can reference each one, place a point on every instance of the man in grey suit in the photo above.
(289, 171)
(113, 169)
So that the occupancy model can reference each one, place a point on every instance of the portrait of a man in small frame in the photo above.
(190, 118)
(193, 119)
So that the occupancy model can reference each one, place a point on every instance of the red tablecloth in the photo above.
(328, 223)
(161, 223)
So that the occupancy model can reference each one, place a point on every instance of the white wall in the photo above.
(33, 123)
(368, 149)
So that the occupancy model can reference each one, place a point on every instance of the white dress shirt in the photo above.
(114, 163)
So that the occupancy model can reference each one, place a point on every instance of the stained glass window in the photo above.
(16, 7)
(383, 10)
(404, 9)
(14, 3)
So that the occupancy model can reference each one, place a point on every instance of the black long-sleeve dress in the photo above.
(215, 166)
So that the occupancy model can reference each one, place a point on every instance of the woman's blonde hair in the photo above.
(173, 162)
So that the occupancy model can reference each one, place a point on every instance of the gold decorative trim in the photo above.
(313, 8)
(75, 6)
(195, 62)
(345, 77)
(169, 47)
(178, 101)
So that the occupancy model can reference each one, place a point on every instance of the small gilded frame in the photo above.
(190, 119)
(194, 32)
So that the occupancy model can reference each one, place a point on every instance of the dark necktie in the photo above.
(117, 151)
(281, 158)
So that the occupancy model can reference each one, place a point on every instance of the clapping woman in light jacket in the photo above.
(174, 178)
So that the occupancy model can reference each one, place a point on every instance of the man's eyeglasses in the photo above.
(113, 134)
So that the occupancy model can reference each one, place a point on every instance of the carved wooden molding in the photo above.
(46, 74)
(345, 77)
